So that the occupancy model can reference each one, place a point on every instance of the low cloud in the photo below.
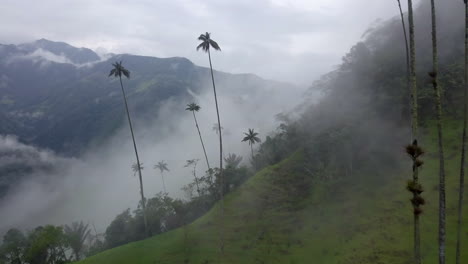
(100, 184)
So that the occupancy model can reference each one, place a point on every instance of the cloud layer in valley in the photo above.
(100, 184)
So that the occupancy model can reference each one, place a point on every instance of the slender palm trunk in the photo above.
(414, 125)
(143, 200)
(164, 184)
(221, 176)
(196, 181)
(435, 84)
(462, 165)
(201, 140)
(406, 49)
(251, 150)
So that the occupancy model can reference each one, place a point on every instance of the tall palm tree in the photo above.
(434, 77)
(118, 71)
(162, 166)
(135, 168)
(193, 107)
(417, 201)
(205, 45)
(405, 35)
(216, 128)
(193, 163)
(462, 165)
(76, 235)
(251, 137)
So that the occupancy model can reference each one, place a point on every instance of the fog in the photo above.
(100, 184)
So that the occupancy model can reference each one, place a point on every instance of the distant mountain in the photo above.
(74, 55)
(57, 96)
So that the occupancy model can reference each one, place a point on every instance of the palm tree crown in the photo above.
(191, 163)
(206, 42)
(135, 167)
(193, 107)
(119, 69)
(251, 137)
(162, 166)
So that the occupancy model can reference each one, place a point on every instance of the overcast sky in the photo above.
(286, 40)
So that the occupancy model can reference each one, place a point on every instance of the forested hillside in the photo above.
(333, 183)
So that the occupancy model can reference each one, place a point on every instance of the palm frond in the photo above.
(202, 37)
(201, 46)
(215, 45)
(126, 72)
(193, 107)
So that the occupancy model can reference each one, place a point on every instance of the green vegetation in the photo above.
(327, 185)
(357, 220)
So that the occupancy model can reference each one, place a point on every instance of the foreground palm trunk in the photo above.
(462, 164)
(414, 128)
(434, 76)
(143, 200)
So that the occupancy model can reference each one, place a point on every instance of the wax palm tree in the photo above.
(205, 45)
(414, 150)
(193, 163)
(76, 235)
(434, 77)
(462, 164)
(193, 107)
(162, 166)
(118, 71)
(135, 168)
(251, 137)
(216, 128)
(232, 160)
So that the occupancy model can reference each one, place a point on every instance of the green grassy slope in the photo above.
(282, 216)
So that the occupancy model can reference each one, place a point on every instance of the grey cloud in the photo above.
(252, 33)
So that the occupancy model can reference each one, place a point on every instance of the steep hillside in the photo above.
(283, 215)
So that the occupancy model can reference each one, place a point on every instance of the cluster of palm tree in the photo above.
(415, 151)
(206, 44)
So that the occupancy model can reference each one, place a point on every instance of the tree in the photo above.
(435, 83)
(251, 137)
(232, 160)
(118, 71)
(136, 168)
(206, 43)
(13, 247)
(463, 152)
(193, 107)
(414, 149)
(162, 166)
(217, 129)
(46, 245)
(193, 163)
(76, 235)
(121, 230)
